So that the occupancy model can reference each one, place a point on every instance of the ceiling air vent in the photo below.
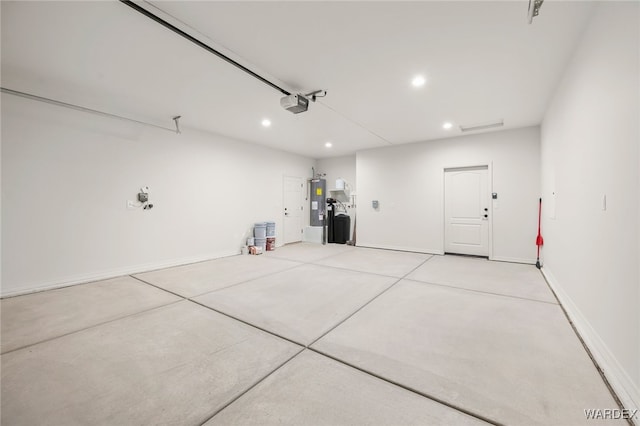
(482, 126)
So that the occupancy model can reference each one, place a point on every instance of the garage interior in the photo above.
(487, 157)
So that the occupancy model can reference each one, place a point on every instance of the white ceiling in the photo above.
(482, 62)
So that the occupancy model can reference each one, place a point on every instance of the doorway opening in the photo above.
(467, 218)
(293, 209)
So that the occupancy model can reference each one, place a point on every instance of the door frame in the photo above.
(489, 166)
(302, 210)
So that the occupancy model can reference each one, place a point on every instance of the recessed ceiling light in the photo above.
(328, 144)
(266, 122)
(418, 81)
(448, 125)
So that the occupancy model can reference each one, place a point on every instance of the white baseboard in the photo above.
(401, 248)
(116, 272)
(513, 260)
(617, 377)
(441, 252)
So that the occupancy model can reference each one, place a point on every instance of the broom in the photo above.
(539, 240)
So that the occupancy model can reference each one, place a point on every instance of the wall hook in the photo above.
(175, 119)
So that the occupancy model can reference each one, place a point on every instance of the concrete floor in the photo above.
(304, 335)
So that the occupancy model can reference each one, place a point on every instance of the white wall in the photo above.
(338, 167)
(345, 168)
(408, 181)
(590, 136)
(66, 177)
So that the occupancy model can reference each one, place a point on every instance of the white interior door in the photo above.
(293, 207)
(466, 211)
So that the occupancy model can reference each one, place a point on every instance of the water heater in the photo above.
(317, 197)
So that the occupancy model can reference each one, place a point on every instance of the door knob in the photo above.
(486, 215)
(486, 209)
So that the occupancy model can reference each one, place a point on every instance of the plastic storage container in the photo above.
(271, 229)
(261, 242)
(260, 230)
